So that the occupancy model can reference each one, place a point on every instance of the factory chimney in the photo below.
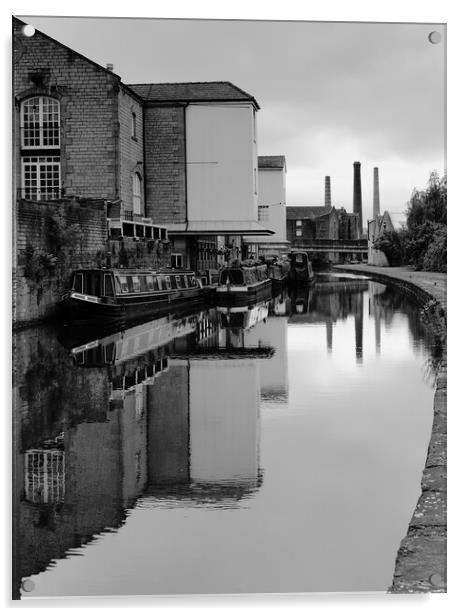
(376, 205)
(357, 199)
(328, 196)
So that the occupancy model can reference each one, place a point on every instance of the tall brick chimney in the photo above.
(376, 204)
(328, 195)
(357, 199)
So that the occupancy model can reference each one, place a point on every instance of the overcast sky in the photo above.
(330, 93)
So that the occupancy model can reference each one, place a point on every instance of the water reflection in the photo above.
(166, 414)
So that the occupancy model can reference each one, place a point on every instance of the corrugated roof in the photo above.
(306, 212)
(271, 162)
(192, 91)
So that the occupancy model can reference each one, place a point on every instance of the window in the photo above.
(168, 282)
(40, 131)
(124, 284)
(41, 177)
(143, 283)
(137, 198)
(177, 260)
(299, 232)
(299, 223)
(136, 284)
(133, 125)
(40, 123)
(150, 283)
(78, 285)
(263, 213)
(108, 285)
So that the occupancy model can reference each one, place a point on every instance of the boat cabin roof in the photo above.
(118, 271)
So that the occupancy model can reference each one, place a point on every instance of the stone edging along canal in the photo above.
(421, 562)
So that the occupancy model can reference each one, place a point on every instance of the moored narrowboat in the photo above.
(301, 271)
(277, 270)
(125, 294)
(243, 284)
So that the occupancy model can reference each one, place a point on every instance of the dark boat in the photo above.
(300, 269)
(277, 270)
(125, 294)
(243, 284)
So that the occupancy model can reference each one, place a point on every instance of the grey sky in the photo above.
(330, 93)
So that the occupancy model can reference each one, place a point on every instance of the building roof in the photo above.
(306, 212)
(271, 162)
(191, 91)
(19, 22)
(380, 220)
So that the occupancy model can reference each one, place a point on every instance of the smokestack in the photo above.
(357, 199)
(328, 195)
(376, 205)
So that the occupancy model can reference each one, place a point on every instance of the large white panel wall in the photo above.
(222, 162)
(272, 192)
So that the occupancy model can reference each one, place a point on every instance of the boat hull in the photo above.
(242, 296)
(76, 309)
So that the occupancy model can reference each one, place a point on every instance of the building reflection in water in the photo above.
(166, 409)
(163, 414)
(331, 299)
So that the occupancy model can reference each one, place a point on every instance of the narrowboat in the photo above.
(125, 294)
(300, 269)
(277, 270)
(243, 284)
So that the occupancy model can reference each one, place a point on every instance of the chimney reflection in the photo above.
(329, 332)
(358, 326)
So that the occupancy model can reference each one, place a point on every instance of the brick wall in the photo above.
(88, 96)
(37, 290)
(164, 151)
(131, 148)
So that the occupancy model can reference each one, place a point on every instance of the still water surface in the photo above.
(274, 449)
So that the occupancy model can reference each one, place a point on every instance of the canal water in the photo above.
(276, 448)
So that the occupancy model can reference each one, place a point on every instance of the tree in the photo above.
(423, 242)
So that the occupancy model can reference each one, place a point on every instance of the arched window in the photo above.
(40, 122)
(137, 194)
(40, 148)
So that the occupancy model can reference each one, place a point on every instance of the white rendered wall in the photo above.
(222, 159)
(272, 192)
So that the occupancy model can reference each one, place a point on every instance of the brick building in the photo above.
(310, 223)
(176, 156)
(382, 223)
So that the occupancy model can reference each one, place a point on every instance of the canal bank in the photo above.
(421, 561)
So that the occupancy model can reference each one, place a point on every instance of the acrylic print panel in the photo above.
(188, 420)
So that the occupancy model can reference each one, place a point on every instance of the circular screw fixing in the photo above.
(28, 585)
(435, 37)
(29, 30)
(436, 579)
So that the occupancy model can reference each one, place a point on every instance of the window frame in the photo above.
(41, 168)
(39, 126)
(138, 204)
(134, 126)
